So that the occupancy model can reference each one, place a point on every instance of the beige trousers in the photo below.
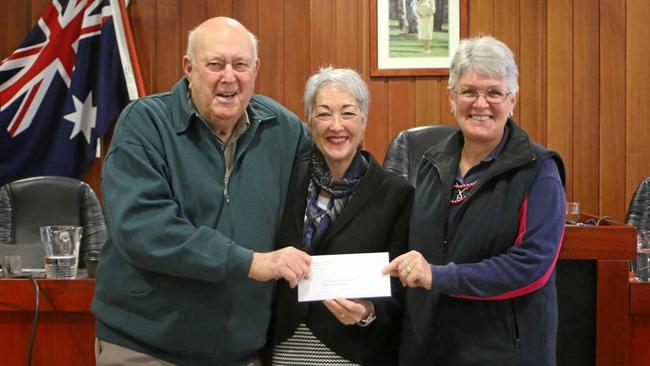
(109, 354)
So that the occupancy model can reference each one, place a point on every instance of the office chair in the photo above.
(638, 214)
(29, 203)
(406, 149)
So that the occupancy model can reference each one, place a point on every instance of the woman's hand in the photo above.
(412, 269)
(348, 312)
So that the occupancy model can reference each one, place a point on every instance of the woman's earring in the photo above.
(510, 114)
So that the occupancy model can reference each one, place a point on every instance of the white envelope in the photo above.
(351, 276)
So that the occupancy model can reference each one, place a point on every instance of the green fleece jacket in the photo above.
(172, 281)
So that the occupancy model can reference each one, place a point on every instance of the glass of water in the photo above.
(61, 244)
(642, 266)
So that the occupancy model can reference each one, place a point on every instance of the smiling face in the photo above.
(337, 127)
(482, 122)
(221, 72)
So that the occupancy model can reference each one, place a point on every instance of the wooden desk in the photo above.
(609, 248)
(66, 330)
(639, 339)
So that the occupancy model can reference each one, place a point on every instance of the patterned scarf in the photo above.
(318, 220)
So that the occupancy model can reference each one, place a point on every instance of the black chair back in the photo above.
(638, 214)
(408, 147)
(28, 204)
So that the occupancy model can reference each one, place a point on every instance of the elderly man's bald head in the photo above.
(216, 24)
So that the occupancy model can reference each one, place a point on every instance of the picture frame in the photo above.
(397, 48)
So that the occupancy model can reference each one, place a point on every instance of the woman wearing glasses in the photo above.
(486, 229)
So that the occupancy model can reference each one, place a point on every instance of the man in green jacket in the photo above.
(194, 185)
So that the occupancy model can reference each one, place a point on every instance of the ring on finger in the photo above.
(409, 269)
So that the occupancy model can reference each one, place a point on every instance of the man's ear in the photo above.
(257, 65)
(187, 67)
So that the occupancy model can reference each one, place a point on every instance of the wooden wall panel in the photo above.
(507, 28)
(216, 8)
(377, 133)
(427, 95)
(246, 11)
(190, 17)
(37, 8)
(144, 26)
(347, 45)
(584, 79)
(532, 69)
(401, 106)
(322, 24)
(637, 94)
(15, 27)
(296, 49)
(613, 199)
(481, 17)
(168, 46)
(272, 49)
(559, 83)
(585, 97)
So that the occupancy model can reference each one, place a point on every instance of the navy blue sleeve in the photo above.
(529, 263)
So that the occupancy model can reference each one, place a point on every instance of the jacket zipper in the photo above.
(226, 195)
(515, 325)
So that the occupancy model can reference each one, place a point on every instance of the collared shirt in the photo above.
(229, 147)
(475, 172)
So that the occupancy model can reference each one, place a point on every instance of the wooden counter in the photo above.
(603, 293)
(66, 329)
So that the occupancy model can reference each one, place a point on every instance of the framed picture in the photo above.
(415, 37)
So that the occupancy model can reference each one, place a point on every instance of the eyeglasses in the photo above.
(327, 115)
(492, 95)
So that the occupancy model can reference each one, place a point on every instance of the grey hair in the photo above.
(487, 56)
(191, 36)
(348, 79)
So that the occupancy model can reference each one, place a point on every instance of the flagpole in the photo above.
(133, 55)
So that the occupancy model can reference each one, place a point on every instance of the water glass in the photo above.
(642, 265)
(573, 213)
(61, 244)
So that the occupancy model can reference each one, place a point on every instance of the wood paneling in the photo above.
(532, 69)
(559, 84)
(271, 50)
(637, 95)
(585, 97)
(612, 196)
(296, 69)
(584, 72)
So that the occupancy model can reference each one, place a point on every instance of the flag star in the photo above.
(84, 117)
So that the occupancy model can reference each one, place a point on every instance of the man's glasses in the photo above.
(492, 95)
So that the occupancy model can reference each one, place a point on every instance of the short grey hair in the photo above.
(191, 36)
(348, 79)
(487, 56)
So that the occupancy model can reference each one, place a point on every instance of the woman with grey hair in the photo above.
(341, 201)
(486, 229)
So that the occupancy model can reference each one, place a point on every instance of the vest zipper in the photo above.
(515, 325)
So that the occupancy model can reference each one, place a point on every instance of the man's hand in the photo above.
(288, 263)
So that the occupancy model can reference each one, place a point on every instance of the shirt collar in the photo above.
(475, 172)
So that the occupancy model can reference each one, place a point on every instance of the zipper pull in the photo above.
(225, 189)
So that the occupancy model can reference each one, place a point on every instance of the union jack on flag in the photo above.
(61, 89)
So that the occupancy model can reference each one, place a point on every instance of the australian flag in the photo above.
(61, 90)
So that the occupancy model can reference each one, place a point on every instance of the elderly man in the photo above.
(194, 184)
